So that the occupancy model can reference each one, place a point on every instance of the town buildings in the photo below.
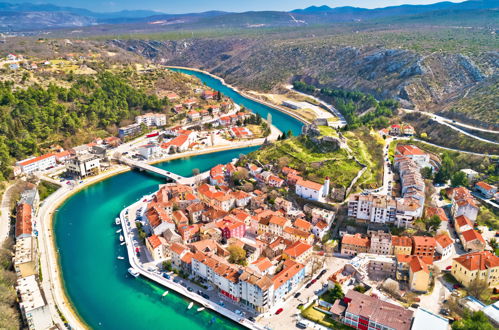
(130, 130)
(487, 190)
(354, 244)
(151, 119)
(482, 266)
(25, 257)
(35, 164)
(364, 312)
(32, 304)
(312, 190)
(83, 166)
(463, 203)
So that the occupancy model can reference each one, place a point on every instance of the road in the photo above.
(341, 123)
(450, 149)
(5, 214)
(448, 123)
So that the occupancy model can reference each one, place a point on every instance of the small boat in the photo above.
(123, 243)
(190, 305)
(117, 221)
(122, 238)
(200, 309)
(119, 231)
(165, 293)
(132, 271)
(120, 257)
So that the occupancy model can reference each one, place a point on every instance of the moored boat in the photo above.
(165, 293)
(190, 305)
(132, 271)
(122, 238)
(200, 309)
(119, 230)
(120, 257)
(117, 221)
(123, 243)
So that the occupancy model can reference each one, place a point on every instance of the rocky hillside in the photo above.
(424, 79)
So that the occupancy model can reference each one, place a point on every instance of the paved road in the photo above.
(5, 214)
(441, 147)
(448, 123)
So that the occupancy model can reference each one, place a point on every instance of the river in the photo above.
(98, 284)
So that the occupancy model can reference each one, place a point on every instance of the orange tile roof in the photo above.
(471, 235)
(187, 258)
(443, 240)
(462, 221)
(416, 265)
(23, 220)
(401, 241)
(484, 185)
(297, 249)
(290, 269)
(278, 221)
(309, 184)
(178, 248)
(36, 159)
(302, 224)
(409, 150)
(154, 241)
(431, 211)
(356, 239)
(262, 264)
(478, 260)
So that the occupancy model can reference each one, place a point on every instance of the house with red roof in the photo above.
(289, 278)
(472, 240)
(395, 129)
(35, 164)
(444, 245)
(312, 190)
(463, 203)
(483, 266)
(462, 223)
(354, 244)
(486, 189)
(299, 252)
(421, 158)
(24, 216)
(232, 228)
(157, 247)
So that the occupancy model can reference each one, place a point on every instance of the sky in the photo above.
(187, 6)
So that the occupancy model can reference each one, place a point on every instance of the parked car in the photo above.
(309, 284)
(252, 319)
(456, 286)
(190, 289)
(313, 281)
(279, 311)
(297, 294)
(165, 275)
(301, 325)
(415, 305)
(448, 267)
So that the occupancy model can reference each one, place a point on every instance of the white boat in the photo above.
(117, 221)
(122, 238)
(120, 257)
(200, 309)
(165, 293)
(119, 230)
(190, 305)
(132, 271)
(123, 243)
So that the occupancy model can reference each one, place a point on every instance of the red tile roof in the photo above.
(471, 235)
(356, 239)
(309, 184)
(23, 220)
(297, 249)
(35, 159)
(401, 241)
(443, 240)
(409, 150)
(431, 211)
(424, 241)
(484, 185)
(478, 260)
(154, 241)
(290, 269)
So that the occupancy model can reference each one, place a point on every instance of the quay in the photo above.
(135, 263)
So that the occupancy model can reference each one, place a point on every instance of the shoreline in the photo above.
(242, 93)
(67, 305)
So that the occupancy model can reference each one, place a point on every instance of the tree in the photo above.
(237, 255)
(459, 179)
(432, 223)
(241, 174)
(427, 173)
(478, 288)
(476, 321)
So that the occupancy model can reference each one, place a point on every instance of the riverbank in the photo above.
(55, 281)
(244, 94)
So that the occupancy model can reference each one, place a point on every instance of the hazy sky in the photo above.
(184, 6)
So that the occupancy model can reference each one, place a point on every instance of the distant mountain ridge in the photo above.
(28, 17)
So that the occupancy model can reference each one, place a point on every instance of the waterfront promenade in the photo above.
(132, 242)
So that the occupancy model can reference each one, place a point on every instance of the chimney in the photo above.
(326, 187)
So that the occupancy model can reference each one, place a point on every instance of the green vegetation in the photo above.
(46, 189)
(475, 320)
(358, 108)
(430, 224)
(332, 294)
(315, 164)
(9, 317)
(322, 318)
(488, 217)
(36, 117)
(237, 255)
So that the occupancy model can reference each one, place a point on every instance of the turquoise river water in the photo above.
(98, 284)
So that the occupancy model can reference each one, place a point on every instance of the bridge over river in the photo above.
(167, 174)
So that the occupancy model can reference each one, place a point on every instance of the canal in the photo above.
(98, 284)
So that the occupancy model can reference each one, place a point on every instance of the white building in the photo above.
(149, 151)
(33, 307)
(151, 119)
(421, 158)
(35, 164)
(84, 165)
(312, 190)
(444, 245)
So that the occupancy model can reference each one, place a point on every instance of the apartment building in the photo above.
(84, 165)
(151, 119)
(473, 266)
(423, 246)
(381, 243)
(32, 303)
(463, 203)
(35, 164)
(25, 257)
(129, 130)
(401, 245)
(354, 244)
